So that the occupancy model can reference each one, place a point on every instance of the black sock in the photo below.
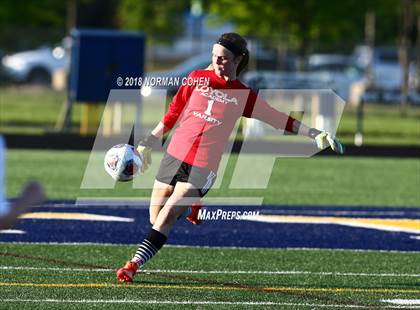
(149, 247)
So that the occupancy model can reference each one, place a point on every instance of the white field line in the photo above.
(12, 231)
(403, 301)
(212, 247)
(143, 203)
(278, 272)
(190, 302)
(340, 212)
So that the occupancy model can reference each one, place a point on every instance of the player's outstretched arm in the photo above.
(279, 120)
(322, 138)
(146, 145)
(171, 117)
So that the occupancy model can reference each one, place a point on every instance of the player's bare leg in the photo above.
(184, 194)
(160, 194)
(31, 195)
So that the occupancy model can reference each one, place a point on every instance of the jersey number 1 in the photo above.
(209, 107)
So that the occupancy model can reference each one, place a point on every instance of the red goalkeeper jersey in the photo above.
(207, 115)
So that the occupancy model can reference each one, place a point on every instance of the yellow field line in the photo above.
(222, 288)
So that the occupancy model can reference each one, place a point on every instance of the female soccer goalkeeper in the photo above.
(206, 115)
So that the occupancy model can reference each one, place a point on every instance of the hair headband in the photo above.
(231, 47)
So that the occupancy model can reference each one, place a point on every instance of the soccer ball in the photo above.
(123, 162)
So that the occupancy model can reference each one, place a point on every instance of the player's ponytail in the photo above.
(238, 46)
(244, 62)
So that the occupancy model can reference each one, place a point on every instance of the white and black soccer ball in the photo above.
(122, 162)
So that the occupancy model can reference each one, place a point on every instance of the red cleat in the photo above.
(126, 273)
(193, 216)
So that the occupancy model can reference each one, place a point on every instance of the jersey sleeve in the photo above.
(259, 109)
(176, 107)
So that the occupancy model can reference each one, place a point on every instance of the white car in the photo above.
(339, 82)
(35, 66)
(387, 72)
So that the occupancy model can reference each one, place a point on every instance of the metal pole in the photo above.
(358, 137)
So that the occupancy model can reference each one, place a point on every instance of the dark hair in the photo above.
(238, 46)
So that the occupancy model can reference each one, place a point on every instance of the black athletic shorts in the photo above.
(172, 170)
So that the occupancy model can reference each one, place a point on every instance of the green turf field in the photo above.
(41, 276)
(53, 276)
(71, 276)
(312, 181)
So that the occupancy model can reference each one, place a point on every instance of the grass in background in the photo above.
(34, 110)
(312, 181)
(30, 109)
(383, 124)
